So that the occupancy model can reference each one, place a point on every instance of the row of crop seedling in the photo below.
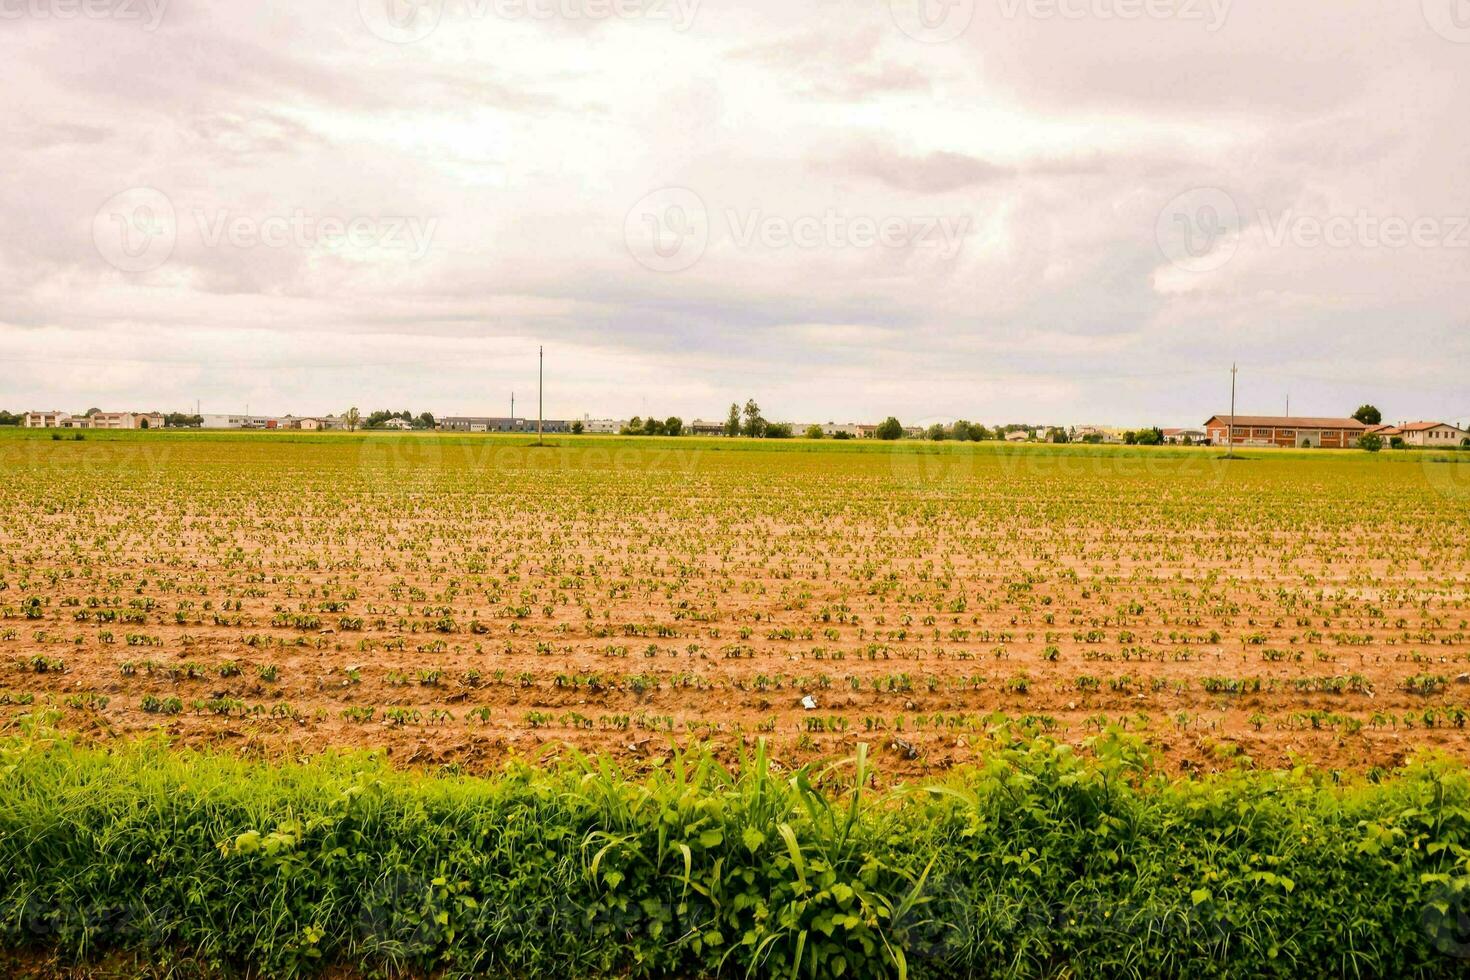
(190, 670)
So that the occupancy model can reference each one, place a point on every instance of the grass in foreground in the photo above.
(1042, 862)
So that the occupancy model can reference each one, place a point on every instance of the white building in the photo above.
(97, 420)
(603, 426)
(239, 422)
(1432, 435)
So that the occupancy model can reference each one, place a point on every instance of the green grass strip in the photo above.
(1040, 863)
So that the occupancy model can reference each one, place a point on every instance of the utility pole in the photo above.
(512, 406)
(1288, 404)
(1230, 439)
(540, 382)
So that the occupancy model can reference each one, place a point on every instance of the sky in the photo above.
(1047, 211)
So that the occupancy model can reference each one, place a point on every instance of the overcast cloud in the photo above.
(1004, 210)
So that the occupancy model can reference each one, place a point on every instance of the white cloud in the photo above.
(1056, 141)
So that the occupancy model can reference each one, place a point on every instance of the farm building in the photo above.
(1433, 435)
(1285, 431)
(489, 423)
(1107, 433)
(704, 427)
(1177, 436)
(97, 420)
(240, 422)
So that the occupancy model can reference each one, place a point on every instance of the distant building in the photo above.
(1430, 434)
(494, 423)
(239, 422)
(1177, 436)
(97, 420)
(704, 427)
(603, 426)
(1285, 431)
(1107, 433)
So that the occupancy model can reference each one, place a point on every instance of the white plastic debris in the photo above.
(809, 702)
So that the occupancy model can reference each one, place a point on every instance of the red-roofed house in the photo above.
(1430, 434)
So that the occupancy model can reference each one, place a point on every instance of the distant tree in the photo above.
(841, 434)
(377, 418)
(673, 426)
(652, 427)
(352, 418)
(1130, 438)
(91, 412)
(775, 430)
(179, 420)
(1465, 443)
(1148, 437)
(755, 426)
(960, 431)
(814, 432)
(1371, 442)
(8, 418)
(732, 421)
(425, 421)
(935, 433)
(1368, 415)
(1396, 442)
(890, 429)
(577, 427)
(978, 433)
(1094, 438)
(1060, 436)
(633, 427)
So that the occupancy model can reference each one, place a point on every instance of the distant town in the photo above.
(1365, 428)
